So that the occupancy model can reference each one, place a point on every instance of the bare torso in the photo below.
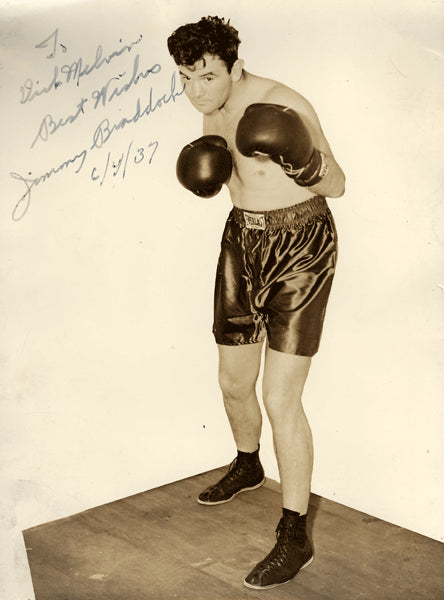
(256, 183)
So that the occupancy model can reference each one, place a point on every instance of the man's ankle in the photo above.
(248, 456)
(292, 514)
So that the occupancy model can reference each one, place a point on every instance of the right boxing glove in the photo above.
(204, 165)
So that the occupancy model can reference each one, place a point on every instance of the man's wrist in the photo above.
(313, 176)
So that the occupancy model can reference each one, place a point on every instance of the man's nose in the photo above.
(195, 89)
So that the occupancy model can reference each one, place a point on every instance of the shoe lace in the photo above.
(287, 532)
(236, 468)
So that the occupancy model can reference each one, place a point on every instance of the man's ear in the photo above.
(236, 70)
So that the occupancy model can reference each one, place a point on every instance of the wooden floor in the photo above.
(161, 545)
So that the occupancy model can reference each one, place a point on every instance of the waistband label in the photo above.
(254, 220)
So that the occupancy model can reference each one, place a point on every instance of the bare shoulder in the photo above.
(278, 93)
(286, 96)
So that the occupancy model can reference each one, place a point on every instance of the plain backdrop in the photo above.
(108, 365)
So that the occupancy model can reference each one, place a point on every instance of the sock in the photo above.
(287, 513)
(248, 455)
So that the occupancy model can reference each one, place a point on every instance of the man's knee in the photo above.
(283, 406)
(234, 385)
(283, 384)
(238, 370)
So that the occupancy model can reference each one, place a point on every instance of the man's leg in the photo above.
(283, 384)
(284, 380)
(238, 371)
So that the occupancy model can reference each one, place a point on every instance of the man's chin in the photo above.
(205, 109)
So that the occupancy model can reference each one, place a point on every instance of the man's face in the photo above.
(207, 83)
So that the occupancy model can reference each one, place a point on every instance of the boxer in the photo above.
(264, 141)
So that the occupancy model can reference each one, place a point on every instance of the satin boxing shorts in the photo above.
(274, 276)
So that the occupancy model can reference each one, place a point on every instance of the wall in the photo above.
(108, 363)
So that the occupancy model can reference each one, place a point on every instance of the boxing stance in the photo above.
(275, 269)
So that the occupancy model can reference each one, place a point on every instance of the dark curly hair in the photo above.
(210, 35)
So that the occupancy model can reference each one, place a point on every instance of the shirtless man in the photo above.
(278, 256)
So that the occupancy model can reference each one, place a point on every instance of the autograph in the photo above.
(134, 155)
(21, 208)
(115, 87)
(105, 129)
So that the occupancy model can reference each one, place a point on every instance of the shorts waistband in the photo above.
(298, 214)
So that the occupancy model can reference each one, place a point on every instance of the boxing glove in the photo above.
(204, 165)
(279, 132)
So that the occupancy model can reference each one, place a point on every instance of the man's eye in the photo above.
(209, 78)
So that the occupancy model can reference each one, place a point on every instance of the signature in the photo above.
(22, 206)
(116, 163)
(105, 129)
(134, 155)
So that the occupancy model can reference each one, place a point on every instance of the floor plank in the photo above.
(161, 545)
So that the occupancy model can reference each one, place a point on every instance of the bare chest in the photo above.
(256, 182)
(247, 171)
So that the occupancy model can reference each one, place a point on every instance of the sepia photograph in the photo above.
(222, 292)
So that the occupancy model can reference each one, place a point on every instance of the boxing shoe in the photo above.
(292, 552)
(244, 473)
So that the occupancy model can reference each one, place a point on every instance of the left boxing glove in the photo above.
(204, 165)
(279, 132)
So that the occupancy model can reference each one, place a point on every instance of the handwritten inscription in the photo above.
(102, 96)
(45, 43)
(106, 129)
(73, 72)
(105, 94)
(49, 126)
(90, 158)
(22, 205)
(114, 166)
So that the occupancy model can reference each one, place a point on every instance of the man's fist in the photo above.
(279, 132)
(204, 165)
